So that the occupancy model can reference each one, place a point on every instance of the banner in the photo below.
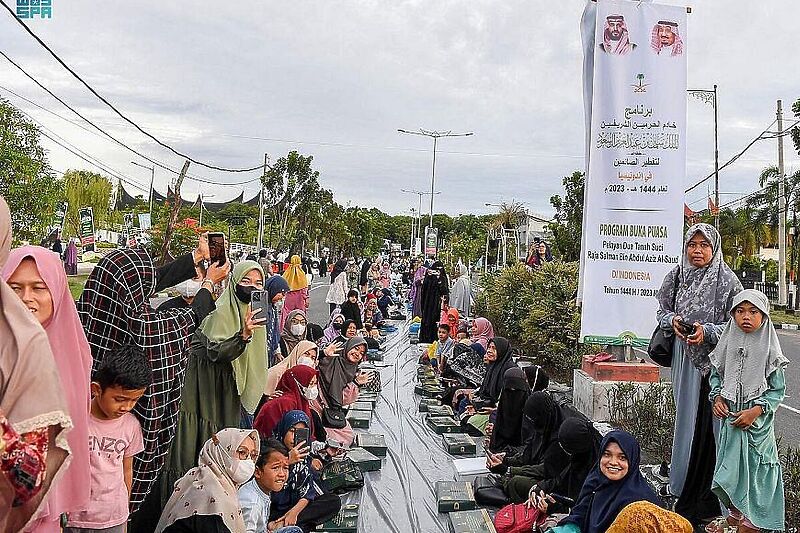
(86, 217)
(431, 240)
(633, 218)
(144, 221)
(58, 218)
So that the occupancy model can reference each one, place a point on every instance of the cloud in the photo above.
(336, 80)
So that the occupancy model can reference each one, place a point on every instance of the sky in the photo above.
(228, 82)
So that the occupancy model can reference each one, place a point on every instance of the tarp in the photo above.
(401, 496)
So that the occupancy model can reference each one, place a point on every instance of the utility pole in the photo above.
(781, 212)
(710, 97)
(260, 240)
(435, 135)
(413, 229)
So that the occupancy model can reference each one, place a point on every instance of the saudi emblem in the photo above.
(640, 86)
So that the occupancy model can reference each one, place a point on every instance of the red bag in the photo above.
(517, 518)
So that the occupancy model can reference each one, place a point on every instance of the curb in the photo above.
(793, 327)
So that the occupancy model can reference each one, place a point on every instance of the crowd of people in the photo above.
(217, 411)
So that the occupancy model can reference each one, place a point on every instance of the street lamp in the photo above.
(152, 178)
(435, 135)
(709, 97)
(419, 212)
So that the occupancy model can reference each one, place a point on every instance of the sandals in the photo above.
(718, 525)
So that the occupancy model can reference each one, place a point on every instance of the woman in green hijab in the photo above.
(226, 373)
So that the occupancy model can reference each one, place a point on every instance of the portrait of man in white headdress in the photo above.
(666, 38)
(616, 40)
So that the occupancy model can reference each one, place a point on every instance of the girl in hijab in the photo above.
(304, 353)
(698, 292)
(542, 459)
(302, 501)
(276, 288)
(434, 292)
(115, 311)
(347, 332)
(297, 295)
(351, 309)
(506, 433)
(386, 274)
(38, 278)
(747, 386)
(334, 328)
(482, 333)
(228, 356)
(205, 500)
(613, 483)
(71, 259)
(298, 386)
(337, 292)
(497, 360)
(33, 406)
(578, 438)
(339, 383)
(295, 329)
(461, 293)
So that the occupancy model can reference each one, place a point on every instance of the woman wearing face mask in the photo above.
(276, 288)
(295, 329)
(298, 386)
(226, 357)
(302, 502)
(205, 499)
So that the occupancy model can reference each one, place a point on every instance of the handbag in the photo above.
(517, 518)
(661, 344)
(334, 417)
(488, 492)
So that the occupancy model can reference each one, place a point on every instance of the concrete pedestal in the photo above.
(593, 383)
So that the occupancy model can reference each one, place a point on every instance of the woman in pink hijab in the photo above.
(482, 332)
(37, 276)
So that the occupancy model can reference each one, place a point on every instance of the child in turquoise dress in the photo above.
(747, 386)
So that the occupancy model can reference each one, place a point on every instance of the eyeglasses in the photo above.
(703, 245)
(244, 454)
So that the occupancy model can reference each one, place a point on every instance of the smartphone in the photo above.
(301, 435)
(216, 248)
(258, 303)
(685, 327)
(563, 500)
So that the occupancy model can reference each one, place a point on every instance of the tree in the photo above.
(28, 183)
(796, 129)
(568, 221)
(83, 188)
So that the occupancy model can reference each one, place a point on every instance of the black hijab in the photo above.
(337, 371)
(507, 430)
(493, 380)
(543, 418)
(338, 268)
(365, 266)
(578, 437)
(601, 499)
(433, 288)
(537, 378)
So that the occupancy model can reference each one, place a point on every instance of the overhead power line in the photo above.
(113, 108)
(111, 137)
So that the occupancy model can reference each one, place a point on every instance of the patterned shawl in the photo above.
(115, 311)
(705, 294)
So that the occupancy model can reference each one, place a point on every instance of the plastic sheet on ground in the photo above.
(401, 496)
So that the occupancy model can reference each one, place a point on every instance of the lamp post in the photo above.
(419, 212)
(152, 178)
(435, 135)
(710, 97)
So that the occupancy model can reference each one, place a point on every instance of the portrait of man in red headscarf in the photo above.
(666, 38)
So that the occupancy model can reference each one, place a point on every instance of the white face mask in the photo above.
(188, 288)
(307, 361)
(298, 329)
(311, 393)
(243, 470)
(279, 305)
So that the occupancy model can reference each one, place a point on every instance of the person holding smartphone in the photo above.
(224, 358)
(302, 501)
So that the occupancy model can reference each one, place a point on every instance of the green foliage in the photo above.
(28, 183)
(790, 461)
(568, 219)
(83, 188)
(796, 129)
(648, 413)
(771, 271)
(536, 309)
(750, 263)
(553, 323)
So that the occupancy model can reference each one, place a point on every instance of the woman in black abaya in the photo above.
(434, 288)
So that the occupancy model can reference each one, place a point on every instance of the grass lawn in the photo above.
(779, 317)
(76, 285)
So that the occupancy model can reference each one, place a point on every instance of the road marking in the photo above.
(792, 409)
(315, 287)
